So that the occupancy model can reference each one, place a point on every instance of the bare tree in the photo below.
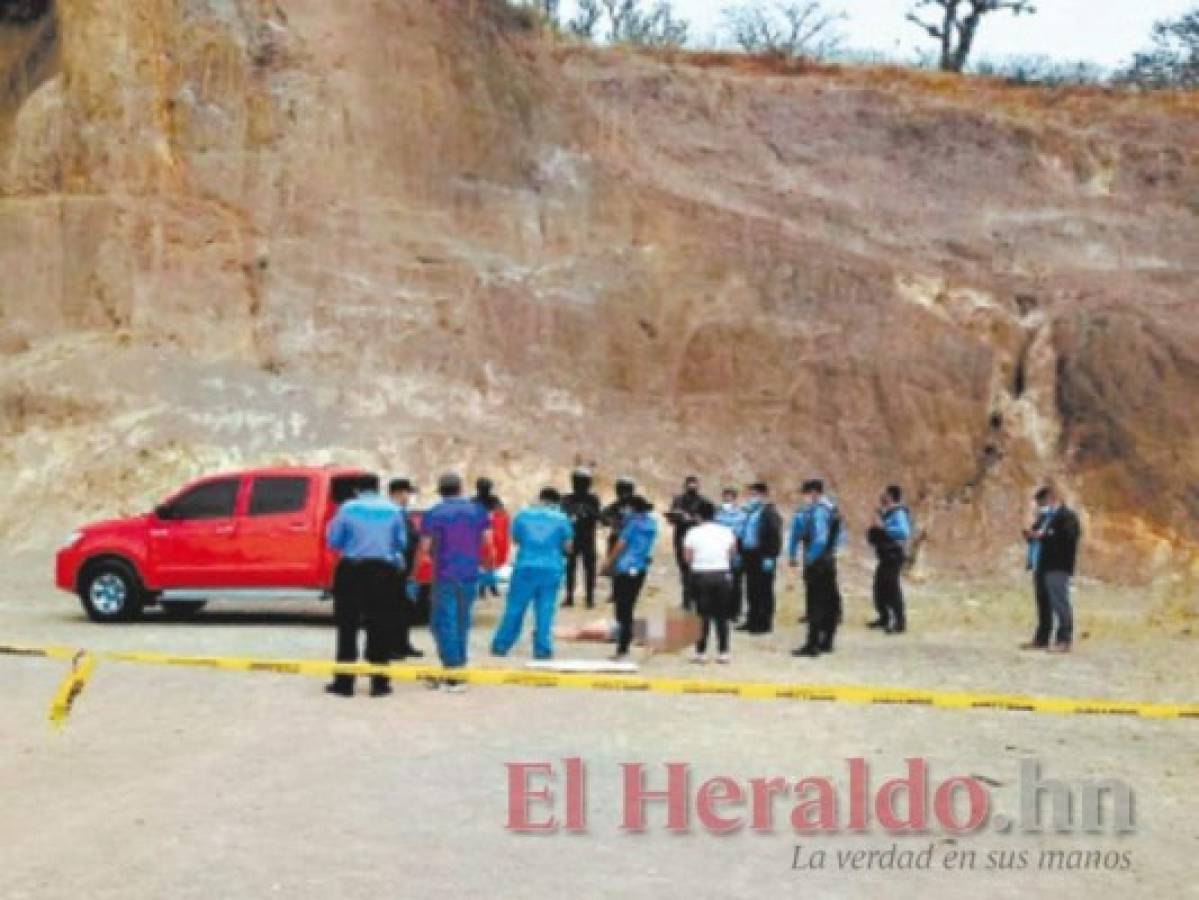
(784, 29)
(1173, 60)
(586, 22)
(630, 22)
(957, 22)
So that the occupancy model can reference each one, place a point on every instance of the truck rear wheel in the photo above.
(111, 592)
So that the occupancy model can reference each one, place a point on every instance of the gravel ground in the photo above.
(197, 783)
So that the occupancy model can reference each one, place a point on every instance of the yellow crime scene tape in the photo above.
(83, 662)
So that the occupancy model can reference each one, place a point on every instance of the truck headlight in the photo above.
(72, 539)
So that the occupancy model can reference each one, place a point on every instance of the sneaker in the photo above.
(723, 659)
(455, 687)
(433, 684)
(618, 657)
(698, 658)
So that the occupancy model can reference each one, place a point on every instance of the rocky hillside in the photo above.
(414, 233)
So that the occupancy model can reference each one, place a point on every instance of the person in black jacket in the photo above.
(684, 515)
(761, 544)
(890, 535)
(615, 514)
(582, 507)
(402, 491)
(1057, 554)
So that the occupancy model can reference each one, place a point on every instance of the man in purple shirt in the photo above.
(454, 533)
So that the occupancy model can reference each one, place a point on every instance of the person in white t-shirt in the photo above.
(709, 549)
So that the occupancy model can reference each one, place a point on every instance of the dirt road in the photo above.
(198, 784)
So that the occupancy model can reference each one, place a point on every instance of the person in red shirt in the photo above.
(495, 554)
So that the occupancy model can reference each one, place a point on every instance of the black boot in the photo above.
(806, 650)
(877, 623)
(342, 686)
(380, 687)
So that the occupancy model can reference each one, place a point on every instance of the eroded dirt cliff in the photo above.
(414, 234)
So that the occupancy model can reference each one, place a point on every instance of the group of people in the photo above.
(753, 535)
(726, 556)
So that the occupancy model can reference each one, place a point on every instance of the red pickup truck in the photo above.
(258, 533)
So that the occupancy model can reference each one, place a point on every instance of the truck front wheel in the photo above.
(111, 592)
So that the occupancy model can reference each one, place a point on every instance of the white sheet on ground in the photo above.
(583, 665)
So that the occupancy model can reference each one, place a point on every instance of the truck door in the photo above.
(194, 539)
(279, 535)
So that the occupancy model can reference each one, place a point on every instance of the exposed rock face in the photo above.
(412, 234)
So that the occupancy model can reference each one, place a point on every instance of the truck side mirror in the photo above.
(163, 511)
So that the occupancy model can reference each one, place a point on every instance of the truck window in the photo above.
(344, 487)
(213, 500)
(276, 495)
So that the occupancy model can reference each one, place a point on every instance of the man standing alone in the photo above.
(454, 532)
(1058, 537)
(368, 531)
(542, 534)
(761, 543)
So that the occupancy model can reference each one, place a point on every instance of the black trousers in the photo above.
(685, 585)
(626, 589)
(1044, 611)
(823, 598)
(759, 593)
(402, 615)
(738, 598)
(364, 595)
(585, 553)
(888, 593)
(713, 592)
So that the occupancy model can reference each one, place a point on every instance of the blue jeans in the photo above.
(538, 587)
(1057, 587)
(452, 603)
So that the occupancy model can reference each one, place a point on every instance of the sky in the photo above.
(1101, 31)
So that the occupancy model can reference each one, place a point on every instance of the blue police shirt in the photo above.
(638, 535)
(811, 526)
(369, 527)
(898, 524)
